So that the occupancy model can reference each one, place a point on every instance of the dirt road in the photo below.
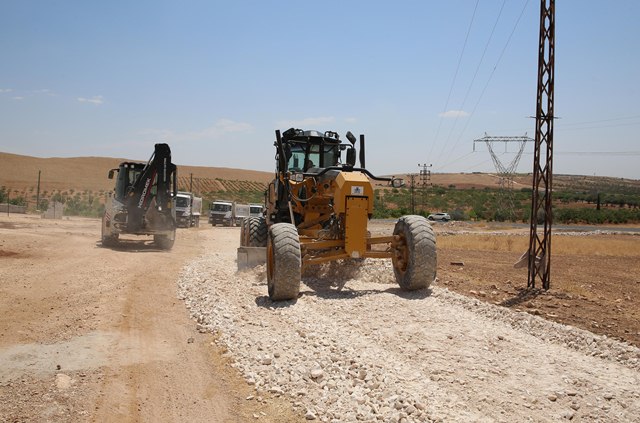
(92, 334)
(95, 334)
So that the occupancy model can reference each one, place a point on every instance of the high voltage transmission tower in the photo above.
(539, 252)
(505, 204)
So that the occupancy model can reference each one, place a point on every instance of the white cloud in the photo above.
(46, 91)
(5, 90)
(216, 131)
(228, 125)
(453, 114)
(306, 123)
(18, 97)
(350, 120)
(96, 99)
(162, 134)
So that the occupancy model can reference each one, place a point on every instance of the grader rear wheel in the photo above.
(415, 258)
(256, 232)
(283, 262)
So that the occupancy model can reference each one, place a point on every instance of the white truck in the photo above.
(221, 213)
(230, 213)
(240, 212)
(255, 210)
(188, 209)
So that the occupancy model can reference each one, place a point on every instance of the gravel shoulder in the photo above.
(353, 347)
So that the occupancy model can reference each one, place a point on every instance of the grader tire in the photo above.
(283, 262)
(256, 232)
(415, 257)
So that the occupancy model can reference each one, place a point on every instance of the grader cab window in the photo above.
(305, 156)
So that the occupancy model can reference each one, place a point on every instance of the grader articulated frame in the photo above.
(317, 209)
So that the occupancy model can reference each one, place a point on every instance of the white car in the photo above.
(444, 217)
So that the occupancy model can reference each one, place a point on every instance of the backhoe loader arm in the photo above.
(156, 181)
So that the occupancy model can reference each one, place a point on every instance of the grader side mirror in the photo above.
(397, 182)
(351, 157)
(111, 173)
(351, 138)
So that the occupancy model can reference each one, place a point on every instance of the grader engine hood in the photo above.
(352, 184)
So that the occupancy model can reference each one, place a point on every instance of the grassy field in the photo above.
(594, 282)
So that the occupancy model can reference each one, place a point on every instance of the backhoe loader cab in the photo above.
(143, 200)
(317, 209)
(126, 175)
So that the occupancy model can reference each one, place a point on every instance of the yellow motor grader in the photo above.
(317, 209)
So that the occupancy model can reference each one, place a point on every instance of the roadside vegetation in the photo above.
(489, 204)
(579, 200)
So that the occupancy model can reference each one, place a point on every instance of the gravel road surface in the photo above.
(354, 347)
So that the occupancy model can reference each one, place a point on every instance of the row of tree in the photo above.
(462, 204)
(492, 205)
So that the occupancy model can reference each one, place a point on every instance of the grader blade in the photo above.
(249, 257)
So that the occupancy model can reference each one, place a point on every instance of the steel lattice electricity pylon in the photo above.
(539, 252)
(505, 204)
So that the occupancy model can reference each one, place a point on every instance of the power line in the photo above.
(455, 160)
(601, 120)
(597, 153)
(466, 96)
(455, 76)
(493, 71)
(562, 126)
(598, 126)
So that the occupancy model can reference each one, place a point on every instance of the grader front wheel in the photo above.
(414, 253)
(283, 262)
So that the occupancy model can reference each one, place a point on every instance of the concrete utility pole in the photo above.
(412, 178)
(539, 252)
(38, 193)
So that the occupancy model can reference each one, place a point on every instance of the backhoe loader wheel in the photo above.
(414, 253)
(108, 240)
(283, 262)
(256, 232)
(164, 242)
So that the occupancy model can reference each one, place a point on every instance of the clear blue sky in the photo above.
(214, 79)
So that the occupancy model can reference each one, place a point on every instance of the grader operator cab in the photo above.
(143, 201)
(317, 209)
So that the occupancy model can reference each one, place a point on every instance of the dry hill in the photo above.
(80, 174)
(90, 173)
